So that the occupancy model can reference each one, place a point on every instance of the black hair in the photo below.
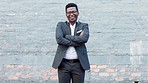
(71, 5)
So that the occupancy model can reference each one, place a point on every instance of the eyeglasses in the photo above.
(71, 12)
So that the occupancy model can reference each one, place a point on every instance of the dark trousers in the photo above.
(71, 71)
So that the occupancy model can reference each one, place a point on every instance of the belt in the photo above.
(71, 60)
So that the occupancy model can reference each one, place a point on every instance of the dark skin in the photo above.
(72, 15)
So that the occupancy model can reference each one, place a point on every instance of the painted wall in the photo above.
(117, 47)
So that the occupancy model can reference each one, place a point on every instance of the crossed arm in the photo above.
(69, 40)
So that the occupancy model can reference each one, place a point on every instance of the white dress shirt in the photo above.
(71, 52)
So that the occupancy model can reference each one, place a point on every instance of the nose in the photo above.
(71, 14)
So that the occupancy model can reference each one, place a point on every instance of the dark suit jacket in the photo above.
(64, 40)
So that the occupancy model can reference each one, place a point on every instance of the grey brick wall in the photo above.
(117, 46)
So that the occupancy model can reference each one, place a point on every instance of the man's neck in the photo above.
(72, 23)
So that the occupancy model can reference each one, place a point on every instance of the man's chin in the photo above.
(72, 20)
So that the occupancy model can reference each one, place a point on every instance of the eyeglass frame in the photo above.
(71, 12)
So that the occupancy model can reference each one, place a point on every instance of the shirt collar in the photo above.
(70, 24)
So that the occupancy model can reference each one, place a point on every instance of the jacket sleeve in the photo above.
(61, 40)
(80, 39)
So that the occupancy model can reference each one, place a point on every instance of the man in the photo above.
(71, 57)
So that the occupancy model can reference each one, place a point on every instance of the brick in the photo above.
(95, 70)
(18, 74)
(119, 79)
(93, 66)
(136, 74)
(122, 70)
(112, 74)
(28, 67)
(25, 76)
(102, 66)
(21, 66)
(103, 74)
(53, 70)
(110, 70)
(44, 74)
(53, 78)
(10, 66)
(13, 78)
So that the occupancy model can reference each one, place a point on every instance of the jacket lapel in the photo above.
(67, 28)
(77, 27)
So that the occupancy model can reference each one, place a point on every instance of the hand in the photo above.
(81, 33)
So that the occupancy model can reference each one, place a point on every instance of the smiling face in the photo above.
(72, 14)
